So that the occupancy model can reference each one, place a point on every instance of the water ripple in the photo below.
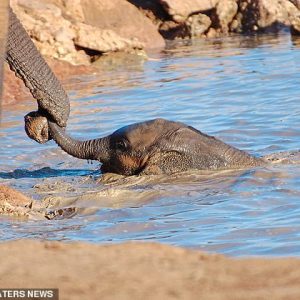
(243, 90)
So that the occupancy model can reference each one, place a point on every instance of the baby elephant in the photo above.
(155, 147)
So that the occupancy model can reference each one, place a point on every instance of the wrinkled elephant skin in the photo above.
(155, 147)
(28, 64)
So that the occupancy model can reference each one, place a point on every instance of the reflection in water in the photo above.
(243, 90)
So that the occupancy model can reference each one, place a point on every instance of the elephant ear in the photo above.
(197, 149)
(189, 141)
(204, 151)
(3, 33)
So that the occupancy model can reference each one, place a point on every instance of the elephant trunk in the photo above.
(28, 64)
(91, 149)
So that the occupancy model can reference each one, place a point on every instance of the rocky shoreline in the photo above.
(79, 32)
(82, 30)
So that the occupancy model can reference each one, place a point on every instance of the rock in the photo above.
(121, 60)
(181, 10)
(226, 11)
(281, 11)
(198, 25)
(171, 30)
(103, 40)
(296, 3)
(69, 29)
(73, 9)
(295, 26)
(14, 89)
(152, 9)
(265, 15)
(124, 19)
(51, 32)
(212, 33)
(64, 70)
(295, 19)
(13, 203)
(78, 31)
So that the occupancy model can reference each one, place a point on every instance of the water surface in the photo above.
(243, 90)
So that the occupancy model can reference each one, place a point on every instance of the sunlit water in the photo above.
(243, 90)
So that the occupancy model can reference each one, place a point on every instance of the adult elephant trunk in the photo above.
(96, 149)
(28, 64)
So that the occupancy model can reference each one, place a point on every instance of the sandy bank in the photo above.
(144, 271)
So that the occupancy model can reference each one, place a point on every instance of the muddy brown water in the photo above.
(243, 90)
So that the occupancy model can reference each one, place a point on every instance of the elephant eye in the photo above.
(121, 145)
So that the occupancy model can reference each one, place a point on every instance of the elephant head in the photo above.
(155, 147)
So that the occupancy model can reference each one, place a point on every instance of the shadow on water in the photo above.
(45, 172)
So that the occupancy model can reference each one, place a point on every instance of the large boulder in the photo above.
(103, 40)
(222, 17)
(71, 30)
(52, 33)
(124, 19)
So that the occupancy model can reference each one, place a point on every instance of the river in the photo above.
(243, 90)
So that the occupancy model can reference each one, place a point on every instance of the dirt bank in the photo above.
(144, 271)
